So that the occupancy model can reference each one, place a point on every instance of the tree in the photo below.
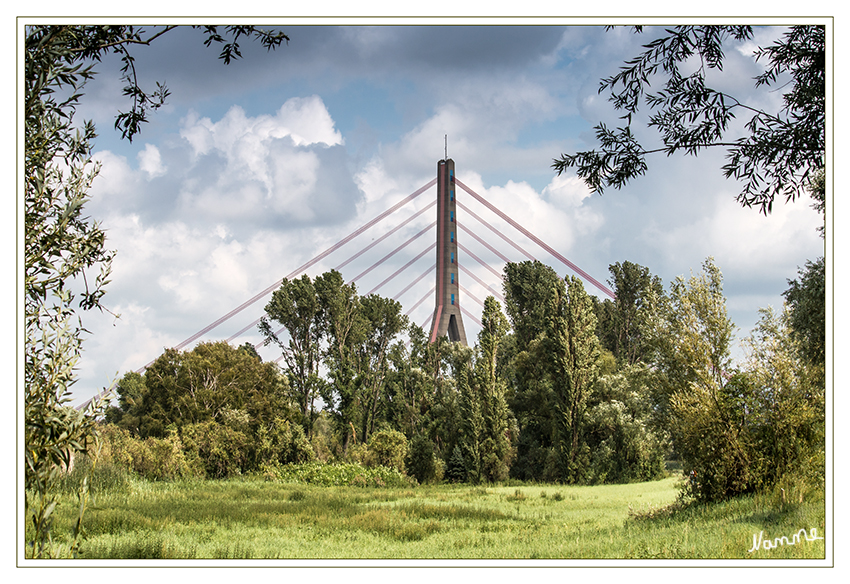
(385, 321)
(781, 152)
(210, 383)
(624, 446)
(622, 322)
(60, 246)
(343, 328)
(575, 354)
(691, 338)
(498, 425)
(295, 306)
(785, 406)
(528, 288)
(63, 248)
(806, 300)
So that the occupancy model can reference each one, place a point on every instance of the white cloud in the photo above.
(150, 162)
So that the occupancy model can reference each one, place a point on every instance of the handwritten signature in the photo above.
(760, 543)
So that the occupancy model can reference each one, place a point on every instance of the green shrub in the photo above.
(388, 448)
(282, 442)
(222, 450)
(421, 462)
(330, 475)
(151, 458)
(160, 458)
(456, 467)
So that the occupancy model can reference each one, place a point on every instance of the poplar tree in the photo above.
(499, 426)
(575, 353)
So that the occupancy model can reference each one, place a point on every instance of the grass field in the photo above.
(254, 519)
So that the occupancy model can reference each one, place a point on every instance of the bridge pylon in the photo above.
(447, 319)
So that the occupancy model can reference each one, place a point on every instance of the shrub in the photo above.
(421, 462)
(456, 467)
(160, 458)
(151, 458)
(223, 451)
(282, 442)
(388, 448)
(329, 475)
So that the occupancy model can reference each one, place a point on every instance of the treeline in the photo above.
(559, 386)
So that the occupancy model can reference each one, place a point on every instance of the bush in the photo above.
(160, 458)
(456, 467)
(221, 451)
(330, 475)
(151, 458)
(421, 462)
(282, 442)
(387, 448)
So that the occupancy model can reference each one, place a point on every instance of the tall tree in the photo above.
(385, 322)
(623, 321)
(499, 426)
(344, 328)
(528, 290)
(575, 354)
(782, 150)
(295, 306)
(692, 337)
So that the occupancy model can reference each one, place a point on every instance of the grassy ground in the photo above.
(258, 519)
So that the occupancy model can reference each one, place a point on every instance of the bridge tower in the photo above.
(447, 316)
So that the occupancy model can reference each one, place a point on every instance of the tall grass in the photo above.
(253, 518)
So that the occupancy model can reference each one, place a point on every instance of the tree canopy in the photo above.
(780, 152)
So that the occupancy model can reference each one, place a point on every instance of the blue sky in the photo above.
(254, 168)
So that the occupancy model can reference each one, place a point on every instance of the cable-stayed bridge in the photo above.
(444, 258)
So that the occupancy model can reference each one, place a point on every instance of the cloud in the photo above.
(267, 168)
(150, 162)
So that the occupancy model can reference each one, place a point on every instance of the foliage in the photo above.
(624, 445)
(622, 322)
(222, 449)
(344, 329)
(385, 322)
(328, 475)
(779, 154)
(329, 324)
(529, 287)
(388, 448)
(295, 307)
(150, 458)
(456, 467)
(575, 355)
(206, 384)
(785, 408)
(66, 261)
(282, 442)
(692, 337)
(806, 300)
(421, 461)
(61, 245)
(488, 425)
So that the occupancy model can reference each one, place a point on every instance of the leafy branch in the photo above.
(779, 155)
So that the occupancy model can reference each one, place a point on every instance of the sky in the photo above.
(252, 169)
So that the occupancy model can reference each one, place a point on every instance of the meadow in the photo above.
(252, 518)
